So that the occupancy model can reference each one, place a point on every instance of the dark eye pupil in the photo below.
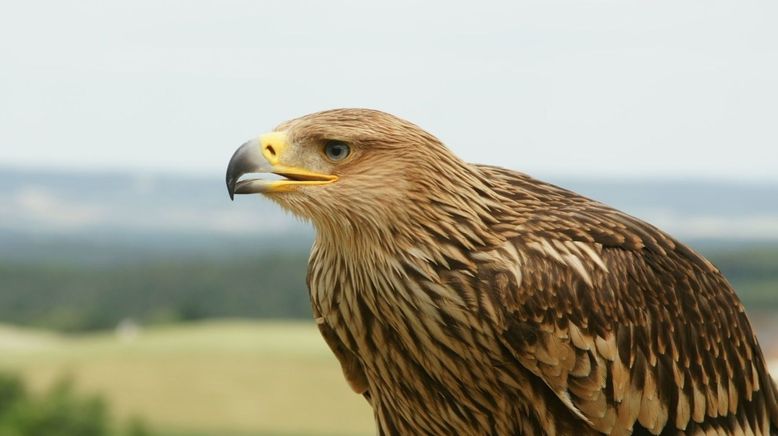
(336, 150)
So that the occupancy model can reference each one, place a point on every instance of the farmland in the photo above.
(212, 378)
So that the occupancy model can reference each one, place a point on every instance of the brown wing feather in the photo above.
(628, 327)
(349, 363)
(352, 369)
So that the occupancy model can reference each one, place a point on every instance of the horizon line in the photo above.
(548, 175)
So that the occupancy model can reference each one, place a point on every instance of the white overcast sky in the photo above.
(603, 88)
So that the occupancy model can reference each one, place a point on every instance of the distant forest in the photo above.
(78, 296)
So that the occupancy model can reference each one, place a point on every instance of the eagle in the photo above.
(465, 299)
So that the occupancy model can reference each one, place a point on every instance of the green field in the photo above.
(219, 378)
(211, 378)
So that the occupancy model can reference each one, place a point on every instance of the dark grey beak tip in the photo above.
(246, 159)
(231, 187)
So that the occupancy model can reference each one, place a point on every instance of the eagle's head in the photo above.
(349, 170)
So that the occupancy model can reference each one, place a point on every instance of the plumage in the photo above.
(470, 299)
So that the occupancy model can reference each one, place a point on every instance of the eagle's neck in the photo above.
(370, 260)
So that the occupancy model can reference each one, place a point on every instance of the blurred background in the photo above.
(136, 299)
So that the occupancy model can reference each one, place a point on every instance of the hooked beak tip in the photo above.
(231, 188)
(247, 158)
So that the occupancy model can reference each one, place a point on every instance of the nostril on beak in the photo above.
(269, 148)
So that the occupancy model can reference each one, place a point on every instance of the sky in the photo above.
(579, 88)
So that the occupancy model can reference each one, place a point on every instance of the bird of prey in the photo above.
(465, 299)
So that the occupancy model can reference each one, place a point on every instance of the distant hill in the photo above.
(104, 203)
(128, 206)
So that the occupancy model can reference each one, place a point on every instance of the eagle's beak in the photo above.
(246, 159)
(265, 155)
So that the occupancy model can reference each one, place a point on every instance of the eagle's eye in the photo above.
(337, 150)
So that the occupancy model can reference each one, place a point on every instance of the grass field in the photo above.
(225, 378)
(213, 378)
